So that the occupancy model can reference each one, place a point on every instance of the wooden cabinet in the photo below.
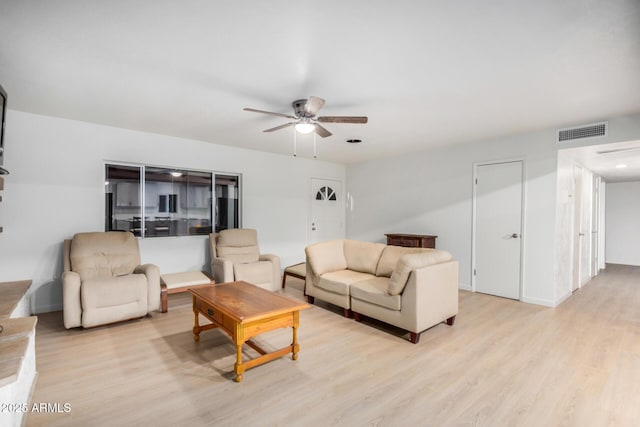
(412, 240)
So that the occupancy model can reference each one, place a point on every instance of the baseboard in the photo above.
(563, 298)
(539, 301)
(46, 308)
(464, 287)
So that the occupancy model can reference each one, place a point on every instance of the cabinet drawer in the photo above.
(412, 240)
(408, 243)
(209, 312)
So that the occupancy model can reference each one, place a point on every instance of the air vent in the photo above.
(581, 132)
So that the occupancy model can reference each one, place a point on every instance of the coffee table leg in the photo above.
(239, 367)
(196, 325)
(238, 339)
(295, 348)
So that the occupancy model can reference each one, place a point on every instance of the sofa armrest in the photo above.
(71, 305)
(275, 262)
(431, 295)
(152, 272)
(222, 270)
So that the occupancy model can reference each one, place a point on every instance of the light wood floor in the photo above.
(504, 363)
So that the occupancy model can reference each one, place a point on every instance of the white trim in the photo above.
(48, 308)
(539, 301)
(562, 298)
(465, 287)
(521, 159)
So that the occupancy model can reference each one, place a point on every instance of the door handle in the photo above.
(581, 234)
(514, 236)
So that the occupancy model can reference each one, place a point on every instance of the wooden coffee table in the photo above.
(244, 311)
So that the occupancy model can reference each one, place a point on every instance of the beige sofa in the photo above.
(411, 288)
(103, 281)
(235, 255)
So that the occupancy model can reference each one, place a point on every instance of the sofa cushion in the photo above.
(238, 245)
(390, 257)
(339, 281)
(259, 273)
(374, 291)
(410, 262)
(237, 237)
(362, 256)
(325, 257)
(104, 254)
(241, 254)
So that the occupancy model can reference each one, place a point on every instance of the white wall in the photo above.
(431, 192)
(602, 227)
(56, 188)
(565, 197)
(623, 223)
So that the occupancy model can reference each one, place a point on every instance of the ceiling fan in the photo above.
(305, 120)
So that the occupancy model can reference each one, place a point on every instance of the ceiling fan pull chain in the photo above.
(295, 143)
(314, 145)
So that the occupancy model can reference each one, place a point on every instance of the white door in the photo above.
(577, 226)
(327, 210)
(498, 228)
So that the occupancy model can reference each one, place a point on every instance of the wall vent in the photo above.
(584, 131)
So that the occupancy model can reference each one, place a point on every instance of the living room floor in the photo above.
(503, 363)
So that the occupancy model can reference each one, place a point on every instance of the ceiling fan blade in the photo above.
(322, 131)
(313, 105)
(343, 119)
(279, 127)
(253, 110)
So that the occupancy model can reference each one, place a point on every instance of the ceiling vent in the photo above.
(584, 131)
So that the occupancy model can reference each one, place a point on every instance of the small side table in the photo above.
(298, 271)
(174, 283)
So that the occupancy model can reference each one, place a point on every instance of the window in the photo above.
(155, 201)
(227, 202)
(326, 193)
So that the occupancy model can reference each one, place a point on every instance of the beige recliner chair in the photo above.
(235, 256)
(103, 281)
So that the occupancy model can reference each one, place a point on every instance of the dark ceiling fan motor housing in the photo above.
(299, 110)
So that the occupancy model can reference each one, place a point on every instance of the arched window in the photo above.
(326, 193)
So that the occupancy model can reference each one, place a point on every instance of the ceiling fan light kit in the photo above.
(305, 120)
(305, 128)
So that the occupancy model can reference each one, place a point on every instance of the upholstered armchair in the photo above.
(235, 256)
(103, 281)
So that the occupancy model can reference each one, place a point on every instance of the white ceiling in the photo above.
(427, 73)
(614, 162)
